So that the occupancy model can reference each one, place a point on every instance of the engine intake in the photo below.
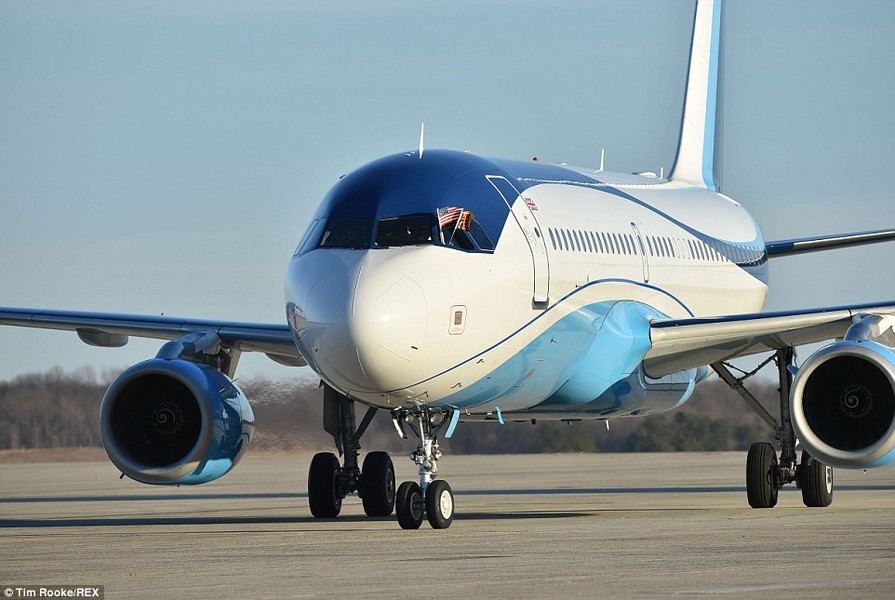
(843, 404)
(175, 422)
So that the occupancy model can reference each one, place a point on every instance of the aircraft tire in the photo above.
(761, 464)
(378, 484)
(816, 481)
(324, 494)
(409, 505)
(439, 504)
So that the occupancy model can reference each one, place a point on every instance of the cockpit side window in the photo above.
(309, 239)
(457, 238)
(481, 238)
(346, 232)
(473, 239)
(408, 230)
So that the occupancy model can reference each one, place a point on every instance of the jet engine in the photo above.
(843, 404)
(175, 422)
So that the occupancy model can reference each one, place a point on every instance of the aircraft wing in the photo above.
(827, 242)
(679, 344)
(113, 330)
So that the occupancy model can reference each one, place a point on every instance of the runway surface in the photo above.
(604, 526)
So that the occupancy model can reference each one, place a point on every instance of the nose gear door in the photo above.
(528, 223)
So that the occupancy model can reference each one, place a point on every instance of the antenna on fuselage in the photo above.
(422, 138)
(602, 158)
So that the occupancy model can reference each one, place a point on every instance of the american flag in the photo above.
(448, 215)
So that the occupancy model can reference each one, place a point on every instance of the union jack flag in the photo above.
(448, 215)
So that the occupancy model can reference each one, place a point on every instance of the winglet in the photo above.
(695, 160)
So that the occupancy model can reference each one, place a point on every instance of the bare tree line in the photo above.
(60, 409)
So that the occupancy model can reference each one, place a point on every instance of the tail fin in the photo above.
(695, 160)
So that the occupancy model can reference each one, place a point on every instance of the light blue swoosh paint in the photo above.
(587, 362)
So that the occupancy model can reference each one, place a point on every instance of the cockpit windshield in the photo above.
(410, 230)
(444, 199)
(345, 232)
(407, 230)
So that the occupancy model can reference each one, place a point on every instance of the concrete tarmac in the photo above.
(542, 526)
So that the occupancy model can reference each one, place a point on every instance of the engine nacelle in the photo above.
(843, 404)
(175, 422)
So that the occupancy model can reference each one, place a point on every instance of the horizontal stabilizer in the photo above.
(829, 242)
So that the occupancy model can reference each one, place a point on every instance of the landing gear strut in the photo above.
(329, 482)
(765, 472)
(430, 497)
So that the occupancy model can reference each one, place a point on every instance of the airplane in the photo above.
(445, 287)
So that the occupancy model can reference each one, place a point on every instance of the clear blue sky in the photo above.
(164, 157)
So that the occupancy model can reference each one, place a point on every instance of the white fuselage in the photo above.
(434, 325)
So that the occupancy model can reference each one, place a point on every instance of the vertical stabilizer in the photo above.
(695, 160)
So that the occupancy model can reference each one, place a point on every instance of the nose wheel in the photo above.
(439, 504)
(409, 505)
(430, 497)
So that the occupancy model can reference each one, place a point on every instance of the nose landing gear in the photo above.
(432, 497)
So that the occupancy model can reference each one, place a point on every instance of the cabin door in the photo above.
(524, 213)
(641, 245)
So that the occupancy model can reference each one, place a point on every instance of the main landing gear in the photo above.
(765, 472)
(329, 481)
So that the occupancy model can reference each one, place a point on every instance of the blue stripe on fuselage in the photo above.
(587, 363)
(547, 311)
